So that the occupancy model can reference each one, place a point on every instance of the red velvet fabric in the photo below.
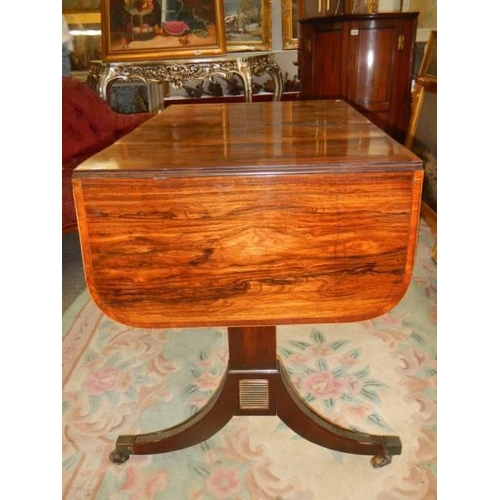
(89, 125)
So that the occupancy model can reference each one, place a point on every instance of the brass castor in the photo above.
(380, 461)
(118, 458)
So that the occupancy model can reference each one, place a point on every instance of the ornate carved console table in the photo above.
(248, 217)
(178, 73)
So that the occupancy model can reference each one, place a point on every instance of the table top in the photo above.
(252, 138)
(249, 214)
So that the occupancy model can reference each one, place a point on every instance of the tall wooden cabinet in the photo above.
(364, 59)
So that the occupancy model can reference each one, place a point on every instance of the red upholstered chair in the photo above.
(89, 125)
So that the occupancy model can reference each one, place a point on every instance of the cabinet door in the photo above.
(379, 71)
(322, 60)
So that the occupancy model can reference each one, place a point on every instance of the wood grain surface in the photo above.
(249, 214)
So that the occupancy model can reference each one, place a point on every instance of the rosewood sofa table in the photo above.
(249, 216)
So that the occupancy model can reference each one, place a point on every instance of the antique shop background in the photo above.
(84, 19)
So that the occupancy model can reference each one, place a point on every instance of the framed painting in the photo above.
(139, 30)
(247, 25)
(289, 24)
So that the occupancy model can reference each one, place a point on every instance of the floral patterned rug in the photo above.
(377, 376)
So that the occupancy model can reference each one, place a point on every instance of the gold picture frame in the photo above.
(428, 68)
(421, 137)
(289, 24)
(247, 25)
(422, 87)
(161, 29)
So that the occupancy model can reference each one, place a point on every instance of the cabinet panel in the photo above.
(370, 66)
(323, 63)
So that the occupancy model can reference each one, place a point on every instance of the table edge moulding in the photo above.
(250, 216)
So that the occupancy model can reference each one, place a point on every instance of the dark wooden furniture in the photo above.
(250, 215)
(365, 59)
